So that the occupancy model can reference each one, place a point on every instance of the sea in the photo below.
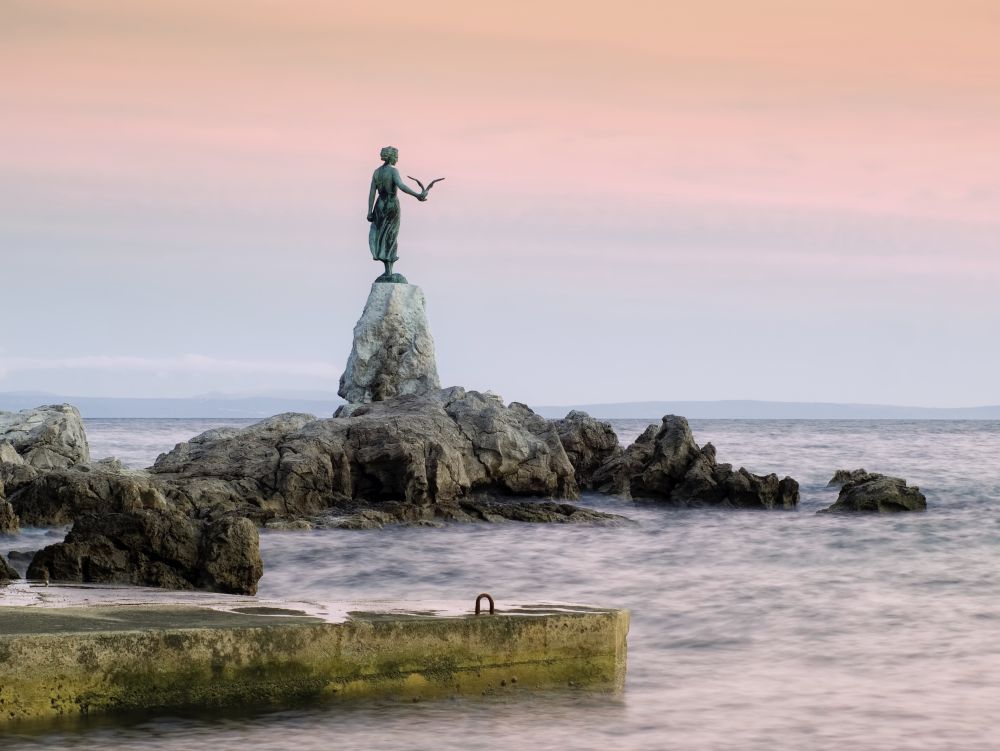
(750, 630)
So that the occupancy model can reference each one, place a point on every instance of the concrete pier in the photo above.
(99, 657)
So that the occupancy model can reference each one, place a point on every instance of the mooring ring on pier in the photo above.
(479, 601)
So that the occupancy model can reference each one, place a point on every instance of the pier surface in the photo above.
(113, 653)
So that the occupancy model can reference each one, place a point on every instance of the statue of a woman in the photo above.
(383, 212)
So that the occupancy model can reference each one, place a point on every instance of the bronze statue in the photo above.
(383, 212)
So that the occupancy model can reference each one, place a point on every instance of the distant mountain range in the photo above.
(758, 410)
(324, 404)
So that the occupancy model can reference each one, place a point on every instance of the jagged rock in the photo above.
(393, 352)
(589, 445)
(7, 572)
(873, 493)
(156, 549)
(61, 495)
(665, 463)
(414, 457)
(47, 437)
(14, 476)
(9, 523)
(8, 454)
(419, 450)
(843, 476)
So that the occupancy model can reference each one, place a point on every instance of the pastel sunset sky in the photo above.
(722, 199)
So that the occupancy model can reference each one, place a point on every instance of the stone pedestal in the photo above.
(393, 351)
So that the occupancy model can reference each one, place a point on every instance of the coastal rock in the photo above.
(417, 450)
(9, 523)
(665, 463)
(589, 445)
(470, 510)
(877, 494)
(156, 549)
(843, 476)
(393, 352)
(7, 572)
(46, 437)
(60, 496)
(8, 454)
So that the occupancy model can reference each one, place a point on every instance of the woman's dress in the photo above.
(384, 230)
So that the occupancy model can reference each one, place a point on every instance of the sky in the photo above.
(792, 200)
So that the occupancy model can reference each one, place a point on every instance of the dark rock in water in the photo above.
(843, 476)
(471, 510)
(877, 494)
(46, 437)
(156, 549)
(7, 572)
(9, 524)
(589, 444)
(666, 464)
(521, 511)
(21, 556)
(59, 496)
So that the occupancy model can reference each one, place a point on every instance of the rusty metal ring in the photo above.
(479, 601)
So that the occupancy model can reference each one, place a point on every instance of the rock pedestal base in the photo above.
(393, 352)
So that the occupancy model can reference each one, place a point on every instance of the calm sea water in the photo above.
(780, 630)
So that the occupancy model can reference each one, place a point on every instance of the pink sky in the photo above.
(704, 143)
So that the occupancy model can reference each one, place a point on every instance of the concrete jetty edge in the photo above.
(82, 660)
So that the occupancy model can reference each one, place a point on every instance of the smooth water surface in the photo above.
(750, 630)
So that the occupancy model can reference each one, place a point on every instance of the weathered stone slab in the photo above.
(81, 660)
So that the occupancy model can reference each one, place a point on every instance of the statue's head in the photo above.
(389, 154)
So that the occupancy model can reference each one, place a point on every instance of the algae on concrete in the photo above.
(59, 661)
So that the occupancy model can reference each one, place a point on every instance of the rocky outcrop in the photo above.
(60, 496)
(9, 523)
(46, 437)
(7, 572)
(434, 449)
(589, 445)
(393, 352)
(843, 476)
(666, 464)
(464, 511)
(8, 454)
(157, 549)
(869, 492)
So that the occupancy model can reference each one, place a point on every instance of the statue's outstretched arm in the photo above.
(406, 188)
(371, 201)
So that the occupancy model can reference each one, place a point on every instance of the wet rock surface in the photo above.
(156, 548)
(46, 437)
(667, 465)
(873, 493)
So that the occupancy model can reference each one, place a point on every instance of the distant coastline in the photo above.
(762, 410)
(222, 406)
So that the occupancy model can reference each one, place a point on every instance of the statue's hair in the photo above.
(388, 151)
